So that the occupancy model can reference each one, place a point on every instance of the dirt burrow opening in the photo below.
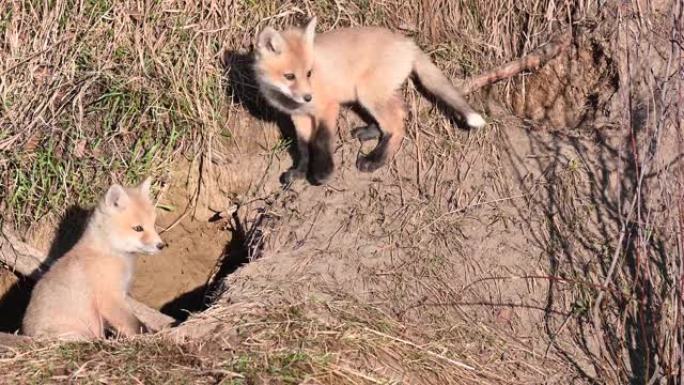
(205, 244)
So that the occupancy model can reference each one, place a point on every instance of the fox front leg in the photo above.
(303, 128)
(119, 316)
(321, 146)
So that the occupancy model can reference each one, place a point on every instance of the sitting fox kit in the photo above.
(85, 291)
(309, 76)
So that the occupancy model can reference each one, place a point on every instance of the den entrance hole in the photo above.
(243, 245)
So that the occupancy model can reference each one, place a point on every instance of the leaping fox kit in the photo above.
(85, 291)
(309, 76)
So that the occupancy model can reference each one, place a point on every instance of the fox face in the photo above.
(284, 67)
(130, 219)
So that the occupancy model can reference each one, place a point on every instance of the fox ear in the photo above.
(145, 186)
(310, 30)
(269, 40)
(116, 197)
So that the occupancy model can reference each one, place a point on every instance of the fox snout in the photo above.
(302, 98)
(301, 93)
(153, 245)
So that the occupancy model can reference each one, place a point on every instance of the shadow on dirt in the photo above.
(582, 219)
(14, 302)
(240, 85)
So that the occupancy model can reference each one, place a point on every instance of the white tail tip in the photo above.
(475, 120)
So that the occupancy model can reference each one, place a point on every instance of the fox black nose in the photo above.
(161, 245)
(308, 97)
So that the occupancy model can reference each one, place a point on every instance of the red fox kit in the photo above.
(308, 76)
(85, 291)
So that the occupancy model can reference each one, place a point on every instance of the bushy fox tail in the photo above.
(438, 84)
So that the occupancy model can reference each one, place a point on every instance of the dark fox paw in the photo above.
(376, 158)
(369, 132)
(292, 175)
(370, 162)
(321, 170)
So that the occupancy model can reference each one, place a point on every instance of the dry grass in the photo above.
(346, 342)
(148, 361)
(475, 258)
(290, 344)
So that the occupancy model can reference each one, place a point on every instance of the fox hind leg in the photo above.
(390, 115)
(366, 133)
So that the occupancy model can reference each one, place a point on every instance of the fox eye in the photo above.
(290, 76)
(308, 74)
(138, 229)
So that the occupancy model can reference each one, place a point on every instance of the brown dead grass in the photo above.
(110, 363)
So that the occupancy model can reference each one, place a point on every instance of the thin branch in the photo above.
(534, 60)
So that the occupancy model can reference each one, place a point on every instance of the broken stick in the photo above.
(28, 261)
(20, 257)
(534, 60)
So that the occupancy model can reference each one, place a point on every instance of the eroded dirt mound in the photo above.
(435, 239)
(470, 258)
(203, 244)
(574, 90)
